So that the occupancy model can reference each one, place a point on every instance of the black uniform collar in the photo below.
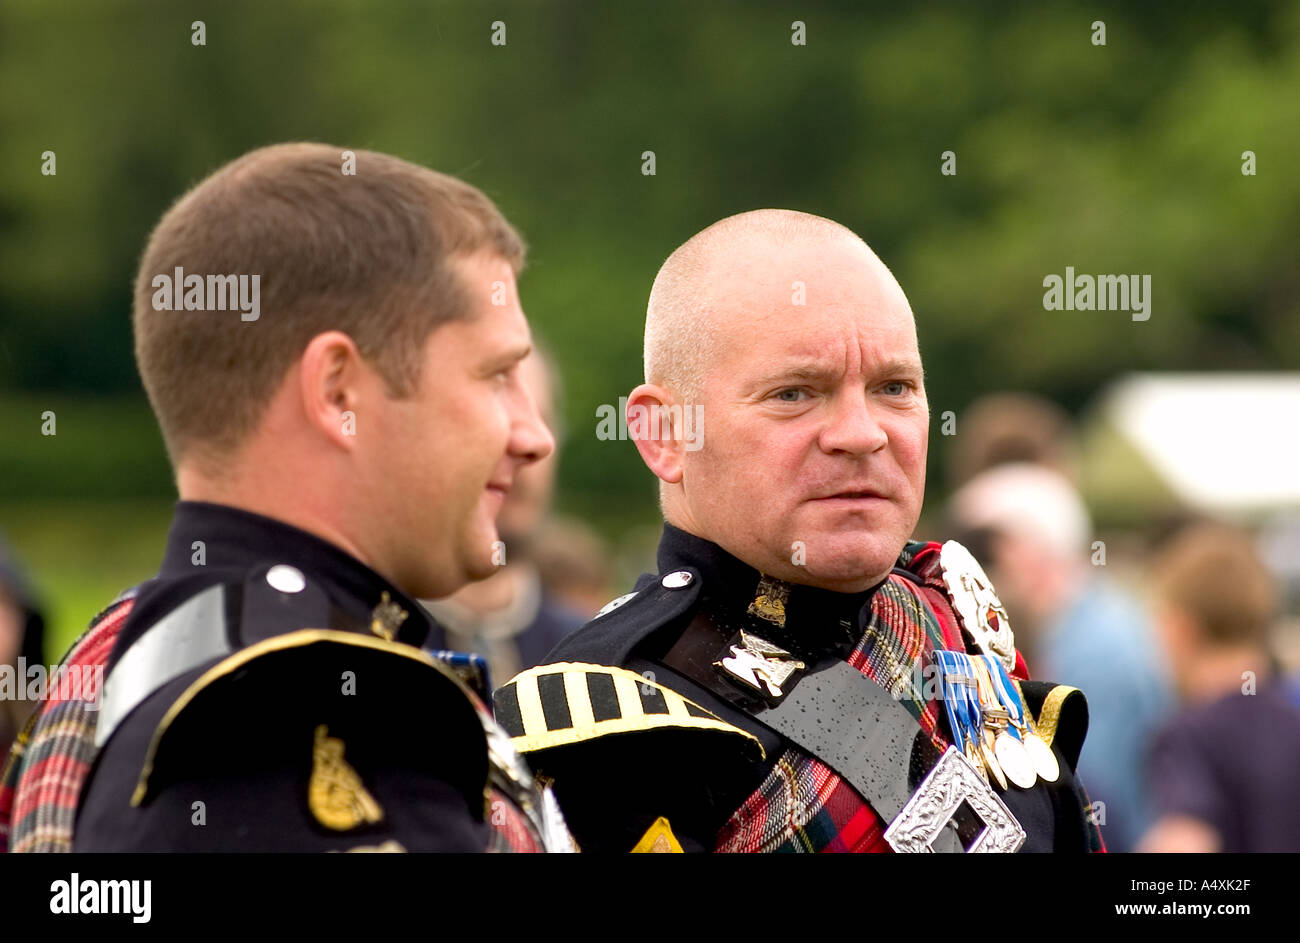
(235, 540)
(816, 620)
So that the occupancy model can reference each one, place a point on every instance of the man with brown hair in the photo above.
(341, 446)
(1222, 772)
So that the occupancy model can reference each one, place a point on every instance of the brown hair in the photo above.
(1213, 575)
(369, 254)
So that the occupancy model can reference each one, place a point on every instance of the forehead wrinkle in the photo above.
(688, 316)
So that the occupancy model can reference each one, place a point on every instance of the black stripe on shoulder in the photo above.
(604, 699)
(506, 707)
(555, 703)
(652, 700)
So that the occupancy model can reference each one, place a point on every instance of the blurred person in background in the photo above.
(1222, 771)
(22, 636)
(1008, 427)
(573, 560)
(512, 618)
(1073, 623)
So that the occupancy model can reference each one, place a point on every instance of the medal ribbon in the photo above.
(989, 699)
(956, 695)
(1007, 694)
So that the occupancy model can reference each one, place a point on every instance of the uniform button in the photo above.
(285, 578)
(677, 579)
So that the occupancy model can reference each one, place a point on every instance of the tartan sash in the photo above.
(803, 805)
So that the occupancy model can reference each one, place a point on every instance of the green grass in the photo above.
(80, 554)
(104, 448)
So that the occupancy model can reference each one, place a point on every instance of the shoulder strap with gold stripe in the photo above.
(569, 702)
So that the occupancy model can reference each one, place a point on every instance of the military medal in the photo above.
(989, 719)
(990, 758)
(977, 605)
(995, 719)
(961, 703)
(1026, 747)
(1044, 760)
(1015, 761)
(1041, 755)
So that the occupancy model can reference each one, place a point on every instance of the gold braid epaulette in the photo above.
(1050, 714)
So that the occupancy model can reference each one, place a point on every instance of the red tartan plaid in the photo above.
(49, 763)
(511, 831)
(803, 805)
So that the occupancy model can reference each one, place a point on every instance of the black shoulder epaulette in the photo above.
(1059, 714)
(619, 628)
(242, 721)
(573, 723)
(324, 675)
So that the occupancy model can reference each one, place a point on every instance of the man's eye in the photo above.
(790, 395)
(902, 387)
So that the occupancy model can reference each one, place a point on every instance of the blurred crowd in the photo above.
(1173, 634)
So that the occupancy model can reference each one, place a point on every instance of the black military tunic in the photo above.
(687, 786)
(268, 692)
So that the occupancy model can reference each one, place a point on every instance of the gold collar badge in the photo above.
(769, 600)
(387, 618)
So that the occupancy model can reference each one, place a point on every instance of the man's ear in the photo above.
(331, 372)
(650, 424)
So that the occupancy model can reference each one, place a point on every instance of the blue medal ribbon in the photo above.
(959, 696)
(1007, 694)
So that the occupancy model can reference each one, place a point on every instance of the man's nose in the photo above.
(530, 438)
(852, 425)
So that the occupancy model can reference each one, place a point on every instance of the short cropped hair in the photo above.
(679, 337)
(1213, 575)
(368, 253)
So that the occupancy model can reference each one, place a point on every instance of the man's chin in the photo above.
(481, 570)
(489, 558)
(848, 569)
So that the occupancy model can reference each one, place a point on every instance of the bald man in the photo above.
(799, 675)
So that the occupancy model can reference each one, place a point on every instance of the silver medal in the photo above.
(1041, 755)
(1014, 760)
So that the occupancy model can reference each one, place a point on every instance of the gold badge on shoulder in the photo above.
(335, 793)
